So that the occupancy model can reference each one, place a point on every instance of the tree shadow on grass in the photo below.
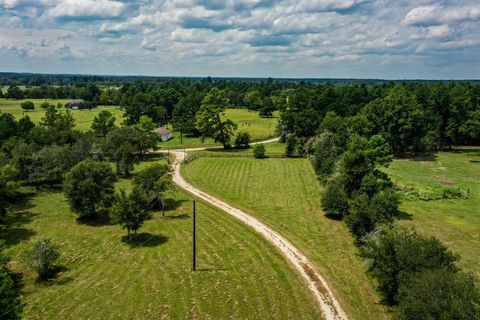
(144, 239)
(97, 221)
(334, 217)
(403, 215)
(52, 277)
(424, 157)
(181, 216)
(211, 269)
(173, 204)
(15, 235)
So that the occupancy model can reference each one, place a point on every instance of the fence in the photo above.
(192, 156)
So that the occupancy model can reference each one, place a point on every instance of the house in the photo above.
(163, 133)
(77, 104)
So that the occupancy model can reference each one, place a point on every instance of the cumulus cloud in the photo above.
(255, 34)
(436, 14)
(86, 9)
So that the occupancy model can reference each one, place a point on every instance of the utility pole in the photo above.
(194, 258)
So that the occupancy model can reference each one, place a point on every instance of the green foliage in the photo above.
(125, 145)
(209, 118)
(366, 213)
(335, 199)
(242, 140)
(439, 294)
(326, 154)
(259, 151)
(103, 123)
(42, 257)
(27, 105)
(130, 211)
(154, 181)
(10, 299)
(89, 187)
(59, 120)
(396, 255)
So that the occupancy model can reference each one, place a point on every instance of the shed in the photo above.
(164, 133)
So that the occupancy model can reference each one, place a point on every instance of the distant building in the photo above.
(163, 133)
(78, 104)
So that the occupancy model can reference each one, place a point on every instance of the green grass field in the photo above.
(258, 128)
(240, 275)
(83, 118)
(455, 221)
(285, 194)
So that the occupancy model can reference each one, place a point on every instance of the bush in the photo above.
(439, 294)
(27, 105)
(396, 255)
(242, 140)
(259, 151)
(42, 258)
(335, 200)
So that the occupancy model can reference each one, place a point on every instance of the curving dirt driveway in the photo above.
(317, 284)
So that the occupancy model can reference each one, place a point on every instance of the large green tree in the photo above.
(103, 123)
(210, 119)
(89, 187)
(155, 181)
(130, 211)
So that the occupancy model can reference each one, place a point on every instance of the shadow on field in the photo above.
(14, 232)
(211, 269)
(98, 221)
(178, 216)
(403, 215)
(334, 217)
(424, 157)
(144, 239)
(173, 204)
(52, 277)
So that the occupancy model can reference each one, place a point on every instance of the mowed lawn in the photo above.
(239, 276)
(285, 194)
(247, 121)
(455, 221)
(83, 118)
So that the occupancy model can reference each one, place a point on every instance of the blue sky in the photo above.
(248, 38)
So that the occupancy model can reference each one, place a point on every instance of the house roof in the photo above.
(162, 131)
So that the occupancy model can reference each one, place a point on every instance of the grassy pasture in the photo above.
(83, 118)
(104, 277)
(455, 221)
(285, 194)
(258, 128)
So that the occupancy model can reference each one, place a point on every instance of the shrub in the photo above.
(335, 200)
(27, 105)
(42, 258)
(439, 294)
(242, 140)
(259, 151)
(395, 255)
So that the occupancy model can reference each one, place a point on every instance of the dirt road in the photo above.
(316, 283)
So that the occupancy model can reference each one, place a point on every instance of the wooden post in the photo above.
(194, 258)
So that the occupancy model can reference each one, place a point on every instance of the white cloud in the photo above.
(435, 14)
(86, 9)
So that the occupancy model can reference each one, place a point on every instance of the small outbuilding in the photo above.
(164, 133)
(78, 104)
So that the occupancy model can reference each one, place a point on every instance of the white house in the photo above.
(163, 133)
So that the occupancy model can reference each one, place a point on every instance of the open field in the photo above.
(150, 277)
(258, 128)
(455, 221)
(285, 194)
(83, 118)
